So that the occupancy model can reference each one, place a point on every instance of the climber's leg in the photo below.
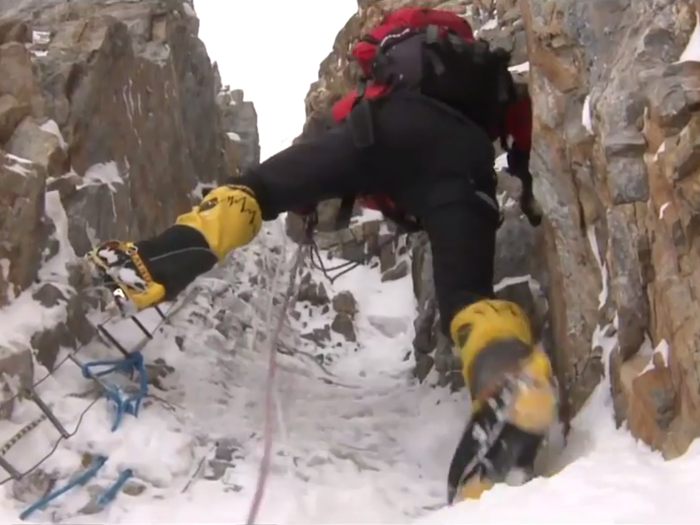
(496, 347)
(230, 216)
(301, 176)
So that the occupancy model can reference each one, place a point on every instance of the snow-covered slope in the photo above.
(353, 425)
(357, 440)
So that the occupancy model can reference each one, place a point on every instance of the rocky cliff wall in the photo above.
(109, 124)
(612, 276)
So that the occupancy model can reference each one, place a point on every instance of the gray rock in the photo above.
(345, 303)
(342, 324)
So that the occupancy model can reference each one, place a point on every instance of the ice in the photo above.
(520, 68)
(490, 24)
(586, 115)
(691, 53)
(51, 126)
(103, 173)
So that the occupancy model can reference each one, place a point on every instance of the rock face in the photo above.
(108, 124)
(611, 278)
(626, 193)
(240, 121)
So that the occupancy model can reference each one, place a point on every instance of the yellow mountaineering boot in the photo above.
(148, 272)
(513, 395)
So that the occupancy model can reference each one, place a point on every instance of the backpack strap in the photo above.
(342, 219)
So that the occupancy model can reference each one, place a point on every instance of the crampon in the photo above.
(492, 449)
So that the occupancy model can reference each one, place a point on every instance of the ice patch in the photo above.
(520, 68)
(366, 215)
(663, 349)
(50, 126)
(56, 212)
(587, 115)
(659, 151)
(501, 163)
(105, 173)
(41, 37)
(490, 24)
(691, 53)
(17, 168)
(593, 241)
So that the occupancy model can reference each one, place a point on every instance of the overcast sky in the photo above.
(272, 50)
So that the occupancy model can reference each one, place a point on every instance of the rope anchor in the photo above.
(123, 402)
(81, 479)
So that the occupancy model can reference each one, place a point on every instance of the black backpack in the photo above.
(470, 77)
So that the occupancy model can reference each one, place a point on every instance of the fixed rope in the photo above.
(268, 432)
(333, 273)
(311, 249)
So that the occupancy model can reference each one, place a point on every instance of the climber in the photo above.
(416, 140)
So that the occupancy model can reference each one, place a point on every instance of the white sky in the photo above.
(272, 50)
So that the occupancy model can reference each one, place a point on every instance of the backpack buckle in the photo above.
(432, 34)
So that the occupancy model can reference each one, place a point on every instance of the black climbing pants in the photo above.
(428, 161)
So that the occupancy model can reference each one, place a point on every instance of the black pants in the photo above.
(428, 161)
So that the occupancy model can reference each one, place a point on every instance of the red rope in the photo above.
(269, 395)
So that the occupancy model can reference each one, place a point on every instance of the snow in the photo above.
(233, 136)
(51, 127)
(41, 37)
(357, 439)
(366, 215)
(103, 173)
(587, 115)
(593, 241)
(691, 53)
(57, 214)
(520, 68)
(662, 349)
(490, 24)
(659, 151)
(501, 162)
(198, 191)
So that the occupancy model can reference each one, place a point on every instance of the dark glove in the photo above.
(519, 166)
(518, 161)
(530, 207)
